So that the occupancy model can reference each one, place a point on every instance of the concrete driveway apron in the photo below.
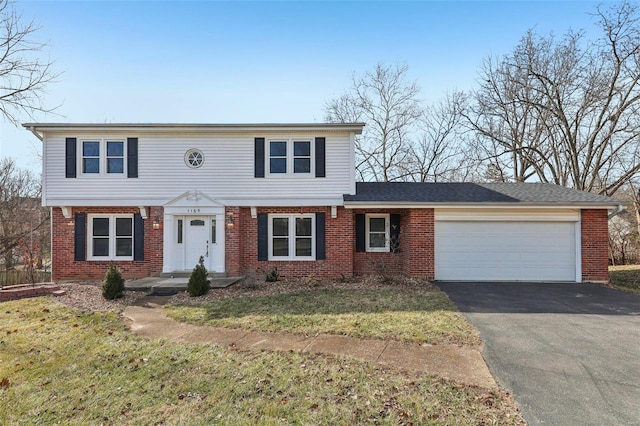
(569, 353)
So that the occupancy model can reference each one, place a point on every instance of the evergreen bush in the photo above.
(113, 284)
(198, 282)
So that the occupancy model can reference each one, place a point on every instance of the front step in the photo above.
(168, 286)
(187, 274)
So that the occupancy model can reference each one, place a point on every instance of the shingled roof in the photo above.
(472, 193)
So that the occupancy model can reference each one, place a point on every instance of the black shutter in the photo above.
(360, 231)
(320, 236)
(394, 233)
(138, 237)
(70, 157)
(132, 157)
(80, 243)
(259, 158)
(263, 237)
(320, 157)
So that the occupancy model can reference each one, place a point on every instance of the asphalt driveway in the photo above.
(569, 353)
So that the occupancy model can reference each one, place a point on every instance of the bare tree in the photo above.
(23, 76)
(22, 219)
(566, 111)
(387, 102)
(437, 152)
(509, 130)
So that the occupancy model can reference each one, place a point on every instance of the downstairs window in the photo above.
(110, 237)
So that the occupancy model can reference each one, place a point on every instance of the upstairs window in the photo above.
(115, 157)
(91, 157)
(103, 157)
(290, 157)
(301, 156)
(277, 157)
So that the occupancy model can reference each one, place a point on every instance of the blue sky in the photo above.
(236, 62)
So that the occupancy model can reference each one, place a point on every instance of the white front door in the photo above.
(200, 236)
(197, 241)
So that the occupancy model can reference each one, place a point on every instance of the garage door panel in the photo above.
(537, 251)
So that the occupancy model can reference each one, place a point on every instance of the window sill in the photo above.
(102, 175)
(289, 175)
(109, 259)
(292, 259)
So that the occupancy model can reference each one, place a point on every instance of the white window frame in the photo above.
(112, 237)
(290, 157)
(387, 227)
(102, 157)
(292, 237)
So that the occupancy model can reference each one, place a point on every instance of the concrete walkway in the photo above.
(461, 364)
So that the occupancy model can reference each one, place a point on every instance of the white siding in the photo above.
(226, 175)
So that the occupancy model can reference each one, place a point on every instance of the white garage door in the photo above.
(505, 251)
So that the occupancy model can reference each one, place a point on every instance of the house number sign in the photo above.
(193, 210)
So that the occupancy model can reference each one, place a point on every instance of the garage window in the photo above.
(377, 232)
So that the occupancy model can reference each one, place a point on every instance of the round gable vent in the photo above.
(194, 158)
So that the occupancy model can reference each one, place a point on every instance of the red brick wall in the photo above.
(367, 263)
(415, 256)
(340, 244)
(62, 247)
(418, 244)
(233, 241)
(595, 245)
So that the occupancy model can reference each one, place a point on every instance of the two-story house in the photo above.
(253, 197)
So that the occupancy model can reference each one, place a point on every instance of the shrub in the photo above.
(113, 284)
(198, 282)
(272, 276)
(311, 281)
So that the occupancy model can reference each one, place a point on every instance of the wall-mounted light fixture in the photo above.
(156, 223)
(230, 220)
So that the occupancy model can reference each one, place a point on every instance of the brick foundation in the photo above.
(64, 267)
(595, 245)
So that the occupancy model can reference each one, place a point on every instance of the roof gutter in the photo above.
(617, 211)
(199, 127)
(33, 130)
(478, 205)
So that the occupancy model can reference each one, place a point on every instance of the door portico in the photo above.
(193, 227)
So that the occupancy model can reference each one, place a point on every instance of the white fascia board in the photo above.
(372, 205)
(281, 202)
(105, 202)
(194, 127)
(245, 202)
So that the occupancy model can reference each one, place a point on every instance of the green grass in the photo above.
(625, 277)
(61, 366)
(410, 314)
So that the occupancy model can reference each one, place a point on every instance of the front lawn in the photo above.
(62, 366)
(625, 277)
(412, 313)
